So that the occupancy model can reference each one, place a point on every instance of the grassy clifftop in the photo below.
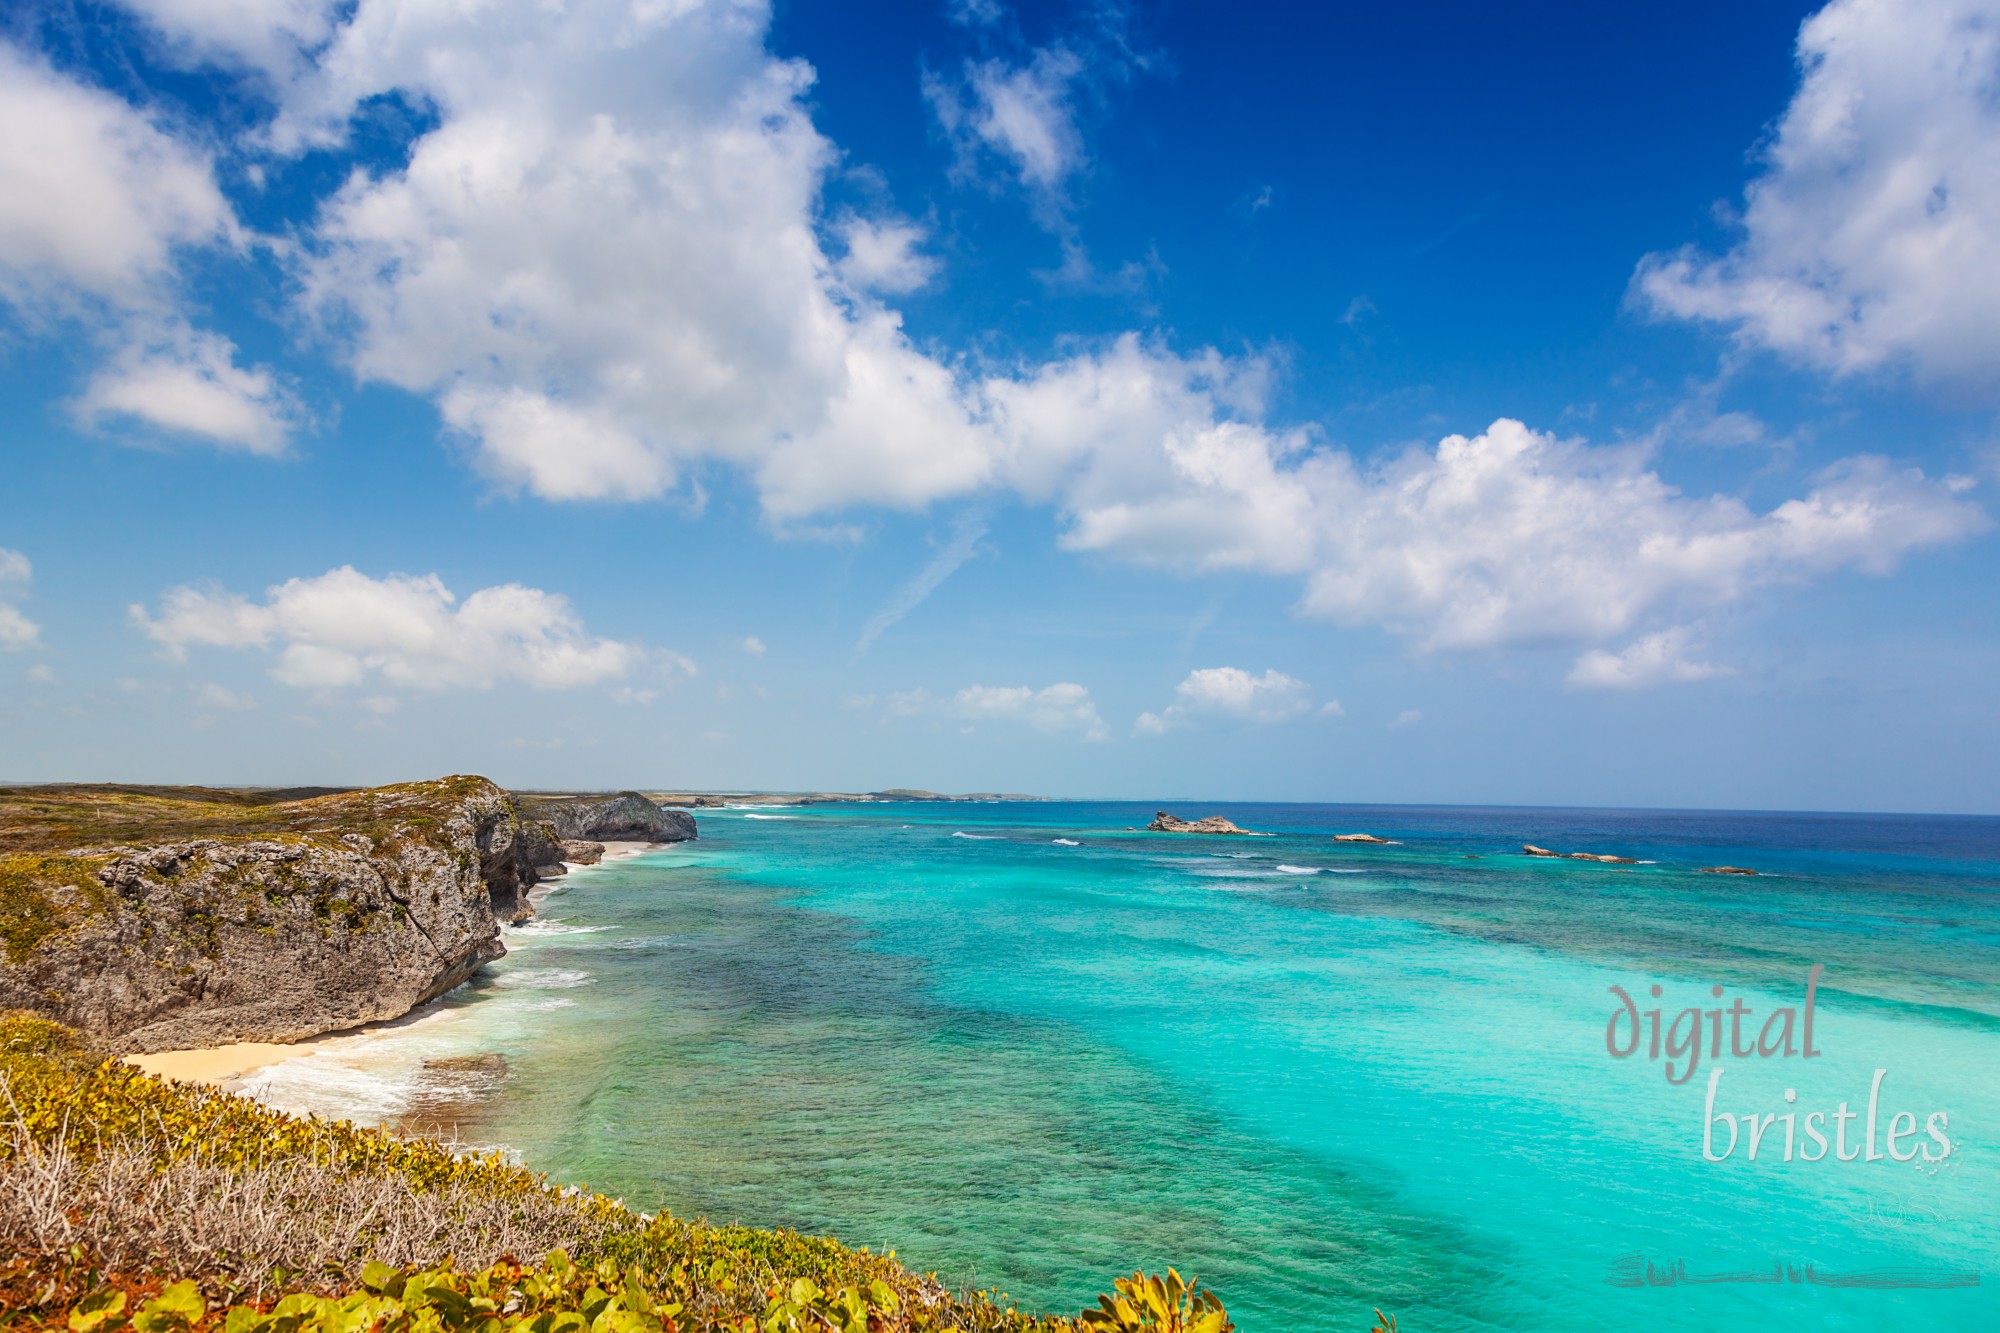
(72, 815)
(130, 1203)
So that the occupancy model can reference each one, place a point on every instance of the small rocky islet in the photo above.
(1166, 823)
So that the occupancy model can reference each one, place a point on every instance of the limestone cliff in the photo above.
(160, 918)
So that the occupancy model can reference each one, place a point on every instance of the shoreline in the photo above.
(229, 1065)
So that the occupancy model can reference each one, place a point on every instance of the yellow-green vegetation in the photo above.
(57, 818)
(40, 896)
(129, 1203)
(1157, 1302)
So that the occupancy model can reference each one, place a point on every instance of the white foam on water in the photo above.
(770, 816)
(366, 1077)
(324, 1084)
(538, 928)
(1067, 842)
(543, 978)
(1299, 870)
(642, 942)
(978, 837)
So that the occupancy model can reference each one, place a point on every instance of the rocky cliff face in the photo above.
(155, 922)
(625, 817)
(516, 853)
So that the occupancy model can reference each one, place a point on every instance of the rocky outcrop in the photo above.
(1166, 823)
(625, 817)
(1726, 870)
(1359, 837)
(202, 922)
(515, 854)
(1530, 849)
(583, 853)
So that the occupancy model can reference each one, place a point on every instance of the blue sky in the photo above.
(1593, 405)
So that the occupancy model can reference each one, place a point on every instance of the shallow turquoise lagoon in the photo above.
(1031, 1048)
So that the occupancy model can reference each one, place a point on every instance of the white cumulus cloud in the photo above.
(97, 205)
(1514, 536)
(1232, 693)
(1505, 537)
(94, 198)
(187, 382)
(603, 261)
(1064, 708)
(882, 255)
(342, 627)
(271, 36)
(1872, 235)
(1664, 658)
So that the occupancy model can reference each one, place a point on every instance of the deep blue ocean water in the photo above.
(1032, 1048)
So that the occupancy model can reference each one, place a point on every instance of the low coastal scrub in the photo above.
(132, 1205)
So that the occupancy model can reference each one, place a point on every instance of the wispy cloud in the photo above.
(1064, 708)
(1666, 658)
(1464, 223)
(1230, 692)
(941, 566)
(1024, 108)
(16, 630)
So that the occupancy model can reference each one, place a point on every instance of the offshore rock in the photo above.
(625, 817)
(1359, 837)
(157, 919)
(1166, 823)
(1726, 870)
(1533, 850)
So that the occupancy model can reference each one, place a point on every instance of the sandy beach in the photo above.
(219, 1065)
(227, 1066)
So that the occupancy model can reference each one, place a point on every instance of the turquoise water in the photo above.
(1028, 1048)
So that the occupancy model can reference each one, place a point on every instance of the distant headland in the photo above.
(699, 800)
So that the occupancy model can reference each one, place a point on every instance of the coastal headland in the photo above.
(167, 918)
